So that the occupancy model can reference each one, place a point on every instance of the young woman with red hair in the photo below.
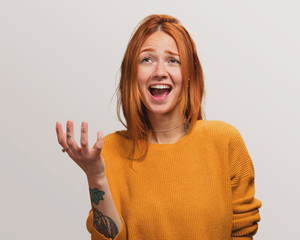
(171, 174)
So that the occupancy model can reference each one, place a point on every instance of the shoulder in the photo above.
(111, 137)
(119, 137)
(216, 128)
(218, 132)
(117, 143)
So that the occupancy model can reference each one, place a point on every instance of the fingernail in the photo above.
(57, 124)
(84, 125)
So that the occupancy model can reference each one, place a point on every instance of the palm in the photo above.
(89, 159)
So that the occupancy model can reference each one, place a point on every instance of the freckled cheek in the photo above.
(142, 87)
(142, 78)
(177, 78)
(144, 72)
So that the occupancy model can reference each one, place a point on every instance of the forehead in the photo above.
(160, 41)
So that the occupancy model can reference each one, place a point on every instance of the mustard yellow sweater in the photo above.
(201, 187)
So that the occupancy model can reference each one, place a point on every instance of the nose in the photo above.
(160, 70)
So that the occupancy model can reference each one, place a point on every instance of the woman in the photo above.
(171, 175)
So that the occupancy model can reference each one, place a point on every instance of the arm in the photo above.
(106, 220)
(245, 206)
(245, 210)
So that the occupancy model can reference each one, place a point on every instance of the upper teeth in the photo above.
(160, 86)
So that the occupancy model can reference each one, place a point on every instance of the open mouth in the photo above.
(160, 90)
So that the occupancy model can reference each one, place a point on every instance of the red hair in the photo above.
(137, 123)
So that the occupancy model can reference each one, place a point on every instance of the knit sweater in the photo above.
(201, 187)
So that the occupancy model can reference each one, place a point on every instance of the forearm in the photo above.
(106, 217)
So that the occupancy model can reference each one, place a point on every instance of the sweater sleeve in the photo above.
(245, 206)
(95, 235)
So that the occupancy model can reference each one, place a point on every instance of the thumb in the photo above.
(99, 144)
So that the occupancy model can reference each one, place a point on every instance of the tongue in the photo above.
(159, 92)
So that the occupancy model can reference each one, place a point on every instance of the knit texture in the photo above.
(201, 187)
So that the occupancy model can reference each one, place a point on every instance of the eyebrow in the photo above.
(153, 50)
(172, 53)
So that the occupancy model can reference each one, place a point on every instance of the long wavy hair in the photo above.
(129, 100)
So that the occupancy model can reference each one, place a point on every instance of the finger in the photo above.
(70, 137)
(61, 137)
(84, 138)
(99, 143)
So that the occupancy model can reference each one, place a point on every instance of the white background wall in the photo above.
(59, 60)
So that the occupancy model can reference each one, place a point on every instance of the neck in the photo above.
(166, 128)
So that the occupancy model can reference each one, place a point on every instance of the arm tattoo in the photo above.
(104, 224)
(96, 195)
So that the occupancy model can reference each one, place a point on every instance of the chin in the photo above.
(163, 110)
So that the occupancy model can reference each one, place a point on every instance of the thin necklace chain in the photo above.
(170, 129)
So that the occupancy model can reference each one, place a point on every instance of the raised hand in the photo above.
(89, 159)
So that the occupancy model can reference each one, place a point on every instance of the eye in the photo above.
(173, 60)
(147, 60)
